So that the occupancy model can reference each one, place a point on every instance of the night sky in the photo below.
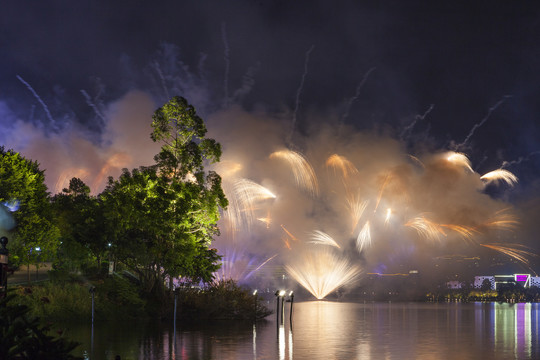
(472, 68)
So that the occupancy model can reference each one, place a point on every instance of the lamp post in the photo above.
(255, 298)
(3, 265)
(176, 290)
(92, 291)
(279, 296)
(38, 251)
(291, 297)
(282, 295)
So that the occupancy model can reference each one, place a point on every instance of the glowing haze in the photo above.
(331, 203)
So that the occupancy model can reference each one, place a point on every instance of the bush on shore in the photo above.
(25, 337)
(119, 298)
(221, 300)
(114, 297)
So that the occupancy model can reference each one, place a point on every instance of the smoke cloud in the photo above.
(379, 202)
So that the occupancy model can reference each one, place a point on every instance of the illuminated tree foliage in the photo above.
(163, 218)
(79, 216)
(22, 183)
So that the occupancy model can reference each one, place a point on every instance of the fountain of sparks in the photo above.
(322, 272)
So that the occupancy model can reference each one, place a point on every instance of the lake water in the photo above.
(333, 330)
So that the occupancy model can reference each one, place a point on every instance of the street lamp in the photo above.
(3, 265)
(38, 250)
(92, 291)
(291, 298)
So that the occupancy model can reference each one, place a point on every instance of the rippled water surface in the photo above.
(333, 330)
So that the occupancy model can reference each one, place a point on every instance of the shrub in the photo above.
(115, 298)
(119, 298)
(23, 337)
(52, 301)
(221, 300)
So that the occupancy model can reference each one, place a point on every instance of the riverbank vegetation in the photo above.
(23, 336)
(118, 298)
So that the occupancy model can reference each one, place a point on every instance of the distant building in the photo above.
(500, 281)
(479, 280)
(534, 281)
(454, 284)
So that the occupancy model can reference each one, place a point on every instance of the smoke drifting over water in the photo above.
(363, 189)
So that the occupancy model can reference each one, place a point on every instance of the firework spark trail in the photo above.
(289, 233)
(116, 161)
(228, 169)
(519, 160)
(38, 98)
(287, 243)
(417, 117)
(234, 266)
(516, 251)
(266, 220)
(298, 93)
(156, 67)
(364, 238)
(388, 216)
(381, 191)
(248, 81)
(356, 95)
(500, 174)
(227, 62)
(356, 210)
(304, 174)
(260, 266)
(459, 159)
(347, 168)
(466, 232)
(68, 174)
(416, 160)
(233, 213)
(503, 220)
(200, 67)
(90, 103)
(247, 193)
(476, 126)
(426, 228)
(321, 272)
(321, 238)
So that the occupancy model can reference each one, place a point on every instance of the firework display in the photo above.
(435, 200)
(334, 199)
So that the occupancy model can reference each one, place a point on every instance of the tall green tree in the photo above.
(34, 237)
(165, 216)
(80, 218)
